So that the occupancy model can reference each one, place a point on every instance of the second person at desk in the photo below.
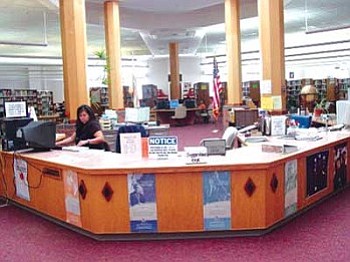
(87, 131)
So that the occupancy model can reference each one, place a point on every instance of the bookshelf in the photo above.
(149, 95)
(342, 88)
(128, 96)
(45, 103)
(251, 89)
(201, 90)
(28, 95)
(99, 99)
(5, 95)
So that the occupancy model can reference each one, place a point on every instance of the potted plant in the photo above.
(320, 107)
(101, 54)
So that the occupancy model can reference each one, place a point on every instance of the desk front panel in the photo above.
(258, 192)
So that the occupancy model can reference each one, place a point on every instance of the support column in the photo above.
(174, 71)
(271, 32)
(112, 32)
(73, 35)
(233, 43)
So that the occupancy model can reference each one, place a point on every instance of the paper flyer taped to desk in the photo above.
(20, 168)
(290, 187)
(217, 200)
(71, 193)
(142, 202)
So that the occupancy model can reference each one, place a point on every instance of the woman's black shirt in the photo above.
(87, 131)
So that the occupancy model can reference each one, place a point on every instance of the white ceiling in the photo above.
(30, 28)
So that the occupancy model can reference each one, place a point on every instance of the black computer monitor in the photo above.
(39, 135)
(191, 103)
(163, 104)
(9, 128)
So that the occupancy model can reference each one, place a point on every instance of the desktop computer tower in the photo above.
(8, 133)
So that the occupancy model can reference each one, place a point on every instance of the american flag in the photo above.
(217, 89)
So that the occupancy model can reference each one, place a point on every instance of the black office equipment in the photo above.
(39, 135)
(9, 129)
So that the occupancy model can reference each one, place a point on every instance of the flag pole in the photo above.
(217, 87)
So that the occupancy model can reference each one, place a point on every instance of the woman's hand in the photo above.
(83, 142)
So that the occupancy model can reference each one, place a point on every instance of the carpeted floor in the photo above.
(321, 234)
(192, 135)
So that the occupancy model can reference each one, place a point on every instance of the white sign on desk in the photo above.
(130, 145)
(278, 125)
(162, 147)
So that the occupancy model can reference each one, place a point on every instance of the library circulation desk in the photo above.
(245, 192)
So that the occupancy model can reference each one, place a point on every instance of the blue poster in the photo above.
(142, 202)
(340, 166)
(317, 172)
(217, 200)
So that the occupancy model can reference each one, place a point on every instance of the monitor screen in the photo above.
(190, 103)
(343, 112)
(16, 109)
(137, 114)
(174, 103)
(39, 135)
(9, 128)
(163, 104)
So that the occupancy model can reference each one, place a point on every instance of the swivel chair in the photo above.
(180, 113)
(129, 129)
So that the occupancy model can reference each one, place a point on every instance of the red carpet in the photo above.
(321, 234)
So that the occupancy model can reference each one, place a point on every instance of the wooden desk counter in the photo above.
(90, 190)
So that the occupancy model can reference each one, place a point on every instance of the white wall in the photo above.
(159, 68)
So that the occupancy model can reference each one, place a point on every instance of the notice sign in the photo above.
(162, 147)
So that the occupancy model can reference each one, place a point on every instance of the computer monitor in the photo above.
(163, 104)
(15, 109)
(40, 135)
(137, 114)
(174, 103)
(191, 103)
(343, 112)
(9, 128)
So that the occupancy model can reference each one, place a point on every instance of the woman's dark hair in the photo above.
(88, 110)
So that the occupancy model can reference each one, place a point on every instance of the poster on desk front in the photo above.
(317, 172)
(290, 187)
(340, 166)
(217, 200)
(20, 169)
(71, 197)
(142, 202)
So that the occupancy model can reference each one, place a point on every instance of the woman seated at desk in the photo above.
(87, 131)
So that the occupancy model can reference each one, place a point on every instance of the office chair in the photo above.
(229, 136)
(180, 112)
(129, 129)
